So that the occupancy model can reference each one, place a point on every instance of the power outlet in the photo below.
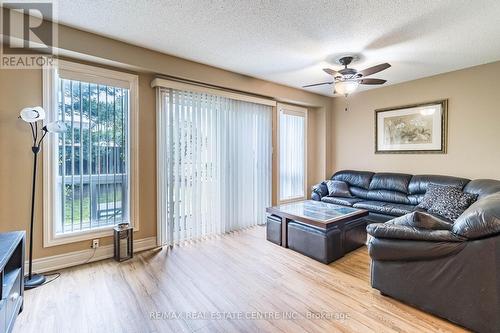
(95, 243)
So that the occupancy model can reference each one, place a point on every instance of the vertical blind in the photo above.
(92, 155)
(292, 155)
(216, 164)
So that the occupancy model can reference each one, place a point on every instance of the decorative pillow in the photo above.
(337, 188)
(452, 205)
(433, 193)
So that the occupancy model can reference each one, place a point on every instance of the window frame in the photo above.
(92, 74)
(296, 111)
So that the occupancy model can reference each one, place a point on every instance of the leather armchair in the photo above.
(450, 270)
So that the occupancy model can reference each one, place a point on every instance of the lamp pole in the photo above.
(35, 150)
(34, 280)
(32, 115)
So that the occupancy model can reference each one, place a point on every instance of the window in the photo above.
(292, 128)
(214, 164)
(89, 169)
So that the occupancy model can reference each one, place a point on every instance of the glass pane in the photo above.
(93, 155)
(292, 159)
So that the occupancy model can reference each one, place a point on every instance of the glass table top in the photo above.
(316, 210)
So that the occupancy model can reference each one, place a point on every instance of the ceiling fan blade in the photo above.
(374, 69)
(330, 71)
(372, 81)
(317, 84)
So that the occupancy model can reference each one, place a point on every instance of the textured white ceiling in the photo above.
(290, 41)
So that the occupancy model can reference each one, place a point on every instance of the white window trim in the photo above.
(297, 111)
(95, 75)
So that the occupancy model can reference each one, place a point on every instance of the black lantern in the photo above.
(124, 241)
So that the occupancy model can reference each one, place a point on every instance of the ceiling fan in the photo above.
(347, 79)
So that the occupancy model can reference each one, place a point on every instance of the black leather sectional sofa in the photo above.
(384, 195)
(450, 269)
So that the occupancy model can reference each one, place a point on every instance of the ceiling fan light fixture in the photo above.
(346, 87)
(347, 80)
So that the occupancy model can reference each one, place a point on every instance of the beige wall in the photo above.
(21, 88)
(473, 125)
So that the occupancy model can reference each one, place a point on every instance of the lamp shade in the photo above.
(32, 114)
(55, 127)
(346, 87)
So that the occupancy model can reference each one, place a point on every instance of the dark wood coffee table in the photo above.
(342, 225)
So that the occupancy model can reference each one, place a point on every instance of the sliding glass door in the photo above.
(215, 164)
(292, 152)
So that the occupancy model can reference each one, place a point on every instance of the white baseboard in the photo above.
(59, 261)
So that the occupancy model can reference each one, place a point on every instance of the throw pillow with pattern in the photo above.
(337, 188)
(433, 193)
(453, 205)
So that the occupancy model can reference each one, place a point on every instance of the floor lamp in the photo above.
(34, 115)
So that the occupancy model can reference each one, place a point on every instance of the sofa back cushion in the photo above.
(390, 181)
(418, 185)
(389, 187)
(354, 178)
(359, 192)
(388, 196)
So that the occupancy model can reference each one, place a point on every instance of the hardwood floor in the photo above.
(240, 274)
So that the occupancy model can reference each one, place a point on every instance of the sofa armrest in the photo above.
(404, 232)
(318, 191)
(422, 220)
(481, 219)
(411, 250)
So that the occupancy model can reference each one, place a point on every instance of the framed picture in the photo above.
(418, 128)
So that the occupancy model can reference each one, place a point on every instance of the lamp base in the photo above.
(36, 281)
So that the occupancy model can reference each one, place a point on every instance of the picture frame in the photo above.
(412, 129)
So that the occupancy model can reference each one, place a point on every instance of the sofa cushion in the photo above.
(435, 192)
(387, 208)
(418, 183)
(415, 199)
(390, 181)
(354, 178)
(359, 192)
(338, 188)
(341, 200)
(389, 196)
(453, 205)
